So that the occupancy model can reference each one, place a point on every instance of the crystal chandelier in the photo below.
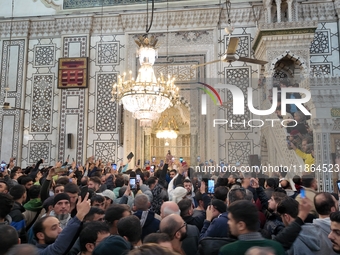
(146, 97)
(169, 132)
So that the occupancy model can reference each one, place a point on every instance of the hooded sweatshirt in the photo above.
(311, 240)
(325, 226)
(32, 207)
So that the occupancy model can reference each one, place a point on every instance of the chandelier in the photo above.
(168, 132)
(146, 96)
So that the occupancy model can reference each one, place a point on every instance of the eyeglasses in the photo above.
(184, 225)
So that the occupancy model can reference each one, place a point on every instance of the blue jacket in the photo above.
(148, 221)
(64, 240)
(217, 228)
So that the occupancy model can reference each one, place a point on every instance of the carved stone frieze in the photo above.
(287, 25)
(107, 25)
(76, 25)
(17, 28)
(202, 18)
(317, 11)
(46, 28)
(61, 26)
(324, 124)
(337, 6)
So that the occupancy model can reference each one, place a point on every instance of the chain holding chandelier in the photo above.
(169, 131)
(146, 96)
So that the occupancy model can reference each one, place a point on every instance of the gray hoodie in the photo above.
(311, 240)
(325, 226)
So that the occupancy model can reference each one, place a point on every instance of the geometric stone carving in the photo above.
(105, 150)
(280, 75)
(240, 77)
(320, 69)
(336, 126)
(106, 111)
(42, 101)
(238, 151)
(44, 55)
(39, 150)
(191, 36)
(244, 47)
(181, 73)
(16, 87)
(108, 53)
(321, 43)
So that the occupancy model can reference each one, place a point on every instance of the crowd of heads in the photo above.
(94, 210)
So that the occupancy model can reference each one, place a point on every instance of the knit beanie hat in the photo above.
(60, 196)
(112, 245)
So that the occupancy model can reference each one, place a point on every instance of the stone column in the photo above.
(129, 136)
(147, 143)
(268, 13)
(278, 10)
(290, 10)
(322, 152)
(193, 147)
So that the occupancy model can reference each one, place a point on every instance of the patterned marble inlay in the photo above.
(321, 43)
(108, 53)
(44, 55)
(243, 49)
(321, 69)
(42, 101)
(16, 93)
(105, 150)
(181, 73)
(239, 151)
(39, 150)
(239, 76)
(82, 40)
(106, 111)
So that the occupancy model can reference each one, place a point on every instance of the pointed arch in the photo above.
(300, 61)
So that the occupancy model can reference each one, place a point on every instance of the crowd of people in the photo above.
(299, 133)
(97, 209)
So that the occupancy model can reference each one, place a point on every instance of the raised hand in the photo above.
(128, 190)
(83, 207)
(305, 206)
(202, 188)
(51, 173)
(254, 183)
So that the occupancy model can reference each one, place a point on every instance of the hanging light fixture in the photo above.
(146, 96)
(169, 131)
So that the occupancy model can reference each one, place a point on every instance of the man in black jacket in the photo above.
(18, 193)
(187, 213)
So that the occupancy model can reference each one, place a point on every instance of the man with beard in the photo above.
(61, 209)
(334, 235)
(274, 222)
(190, 194)
(175, 227)
(51, 239)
